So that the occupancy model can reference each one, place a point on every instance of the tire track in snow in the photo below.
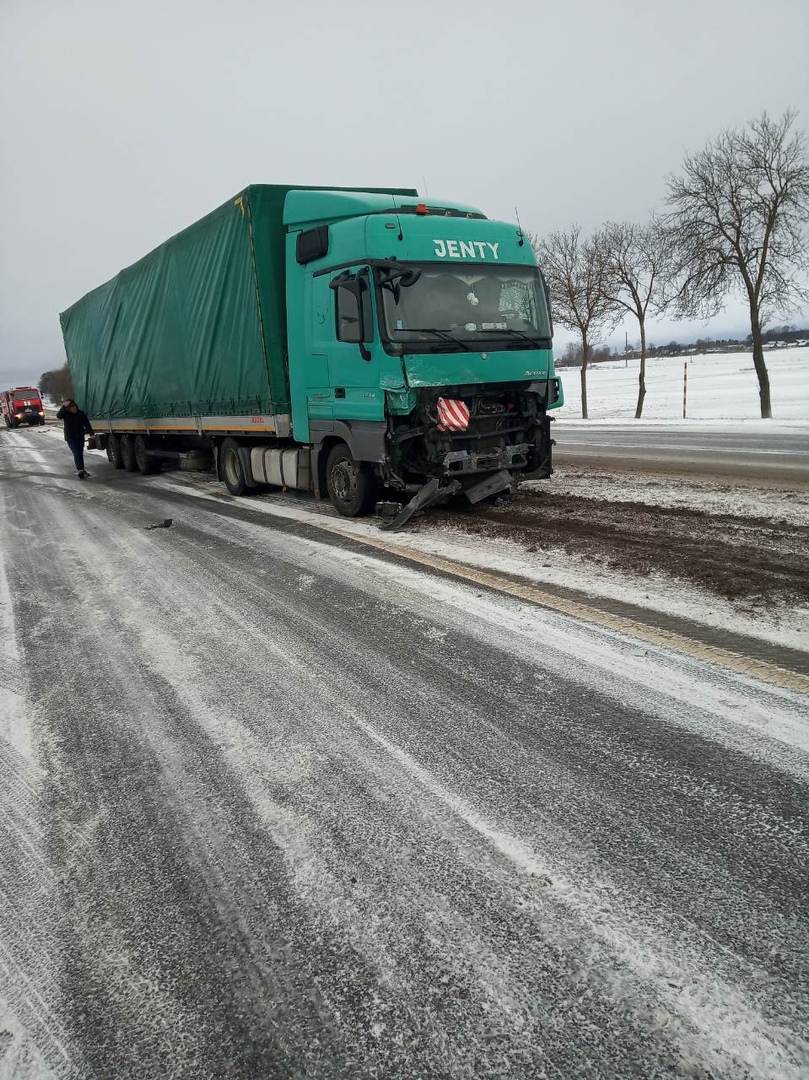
(766, 722)
(363, 761)
(707, 1003)
(147, 955)
(29, 453)
(33, 1037)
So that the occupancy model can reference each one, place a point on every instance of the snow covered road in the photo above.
(275, 806)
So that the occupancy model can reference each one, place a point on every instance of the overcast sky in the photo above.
(122, 123)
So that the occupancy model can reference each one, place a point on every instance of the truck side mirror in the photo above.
(546, 287)
(394, 277)
(353, 309)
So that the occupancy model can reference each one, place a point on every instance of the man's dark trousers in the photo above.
(77, 450)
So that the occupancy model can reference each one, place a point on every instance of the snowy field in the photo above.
(720, 387)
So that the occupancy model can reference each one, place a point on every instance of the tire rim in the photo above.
(344, 481)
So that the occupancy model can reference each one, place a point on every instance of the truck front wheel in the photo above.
(231, 467)
(349, 484)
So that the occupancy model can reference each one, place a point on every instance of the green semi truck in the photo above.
(364, 344)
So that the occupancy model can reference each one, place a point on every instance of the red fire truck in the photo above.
(22, 405)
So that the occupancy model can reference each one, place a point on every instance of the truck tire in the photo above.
(349, 484)
(147, 463)
(231, 467)
(114, 452)
(128, 453)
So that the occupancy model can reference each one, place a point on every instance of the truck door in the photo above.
(319, 393)
(346, 299)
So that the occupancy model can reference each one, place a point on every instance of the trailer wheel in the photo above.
(147, 463)
(349, 484)
(231, 467)
(114, 452)
(128, 453)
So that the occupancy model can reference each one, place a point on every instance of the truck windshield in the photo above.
(461, 307)
(26, 395)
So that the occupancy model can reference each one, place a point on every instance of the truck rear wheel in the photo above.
(231, 467)
(349, 483)
(147, 463)
(128, 453)
(114, 452)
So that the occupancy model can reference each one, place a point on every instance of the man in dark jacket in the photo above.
(76, 424)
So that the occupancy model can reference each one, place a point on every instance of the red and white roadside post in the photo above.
(685, 385)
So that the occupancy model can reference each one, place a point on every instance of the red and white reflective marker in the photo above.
(453, 415)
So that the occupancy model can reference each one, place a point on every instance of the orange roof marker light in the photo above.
(422, 208)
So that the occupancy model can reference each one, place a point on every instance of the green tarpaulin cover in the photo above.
(197, 327)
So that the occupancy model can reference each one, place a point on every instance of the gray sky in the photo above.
(123, 123)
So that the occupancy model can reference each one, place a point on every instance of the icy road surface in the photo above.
(273, 805)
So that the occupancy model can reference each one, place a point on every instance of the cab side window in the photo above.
(348, 315)
(353, 310)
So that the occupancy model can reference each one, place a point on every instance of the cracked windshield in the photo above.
(469, 302)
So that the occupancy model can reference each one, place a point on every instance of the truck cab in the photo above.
(420, 338)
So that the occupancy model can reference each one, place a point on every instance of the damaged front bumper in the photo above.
(466, 462)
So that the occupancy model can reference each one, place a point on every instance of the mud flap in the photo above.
(433, 491)
(490, 486)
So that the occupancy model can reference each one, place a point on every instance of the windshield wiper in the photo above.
(441, 333)
(510, 330)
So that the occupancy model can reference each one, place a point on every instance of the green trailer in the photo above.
(350, 342)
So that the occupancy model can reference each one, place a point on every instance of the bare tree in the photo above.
(635, 261)
(574, 273)
(573, 354)
(738, 220)
(57, 384)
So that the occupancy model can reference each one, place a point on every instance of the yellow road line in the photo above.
(622, 624)
(576, 609)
